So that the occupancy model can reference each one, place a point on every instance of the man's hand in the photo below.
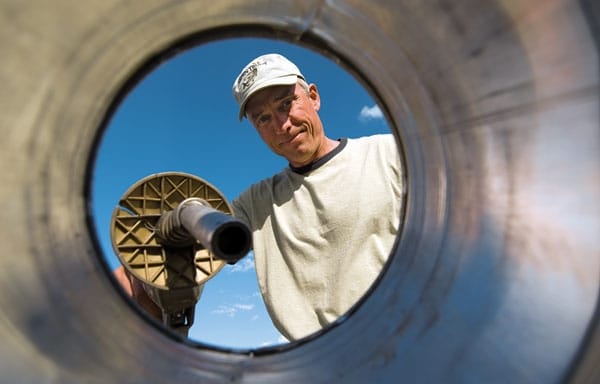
(136, 291)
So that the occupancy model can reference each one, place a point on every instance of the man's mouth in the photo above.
(292, 138)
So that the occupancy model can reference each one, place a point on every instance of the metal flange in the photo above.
(134, 238)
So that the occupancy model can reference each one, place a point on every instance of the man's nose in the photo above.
(282, 123)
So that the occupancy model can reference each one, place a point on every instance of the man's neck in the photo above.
(334, 147)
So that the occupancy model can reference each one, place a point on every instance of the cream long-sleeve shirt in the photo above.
(322, 234)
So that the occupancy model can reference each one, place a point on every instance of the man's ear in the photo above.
(315, 98)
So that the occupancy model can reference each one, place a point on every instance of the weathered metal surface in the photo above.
(496, 274)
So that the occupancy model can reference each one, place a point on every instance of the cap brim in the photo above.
(282, 80)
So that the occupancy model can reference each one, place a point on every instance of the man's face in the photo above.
(286, 118)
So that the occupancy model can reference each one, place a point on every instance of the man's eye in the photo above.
(286, 105)
(263, 119)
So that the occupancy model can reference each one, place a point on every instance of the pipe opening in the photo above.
(180, 115)
(233, 241)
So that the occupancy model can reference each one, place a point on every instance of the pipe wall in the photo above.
(495, 275)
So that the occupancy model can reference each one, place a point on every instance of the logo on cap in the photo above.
(249, 75)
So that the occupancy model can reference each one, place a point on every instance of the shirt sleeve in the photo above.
(239, 210)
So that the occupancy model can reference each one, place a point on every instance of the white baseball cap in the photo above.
(264, 71)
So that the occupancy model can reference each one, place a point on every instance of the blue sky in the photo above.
(182, 117)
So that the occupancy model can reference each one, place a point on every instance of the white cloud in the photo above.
(244, 265)
(253, 296)
(280, 340)
(370, 113)
(231, 310)
(224, 310)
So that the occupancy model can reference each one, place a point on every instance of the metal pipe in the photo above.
(194, 219)
(495, 277)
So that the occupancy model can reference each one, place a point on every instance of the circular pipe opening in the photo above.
(234, 242)
(334, 85)
(500, 270)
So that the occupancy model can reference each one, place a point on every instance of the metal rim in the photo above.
(438, 122)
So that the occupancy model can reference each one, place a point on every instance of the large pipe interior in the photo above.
(495, 276)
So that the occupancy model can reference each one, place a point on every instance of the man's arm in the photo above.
(136, 291)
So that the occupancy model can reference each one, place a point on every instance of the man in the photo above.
(324, 226)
